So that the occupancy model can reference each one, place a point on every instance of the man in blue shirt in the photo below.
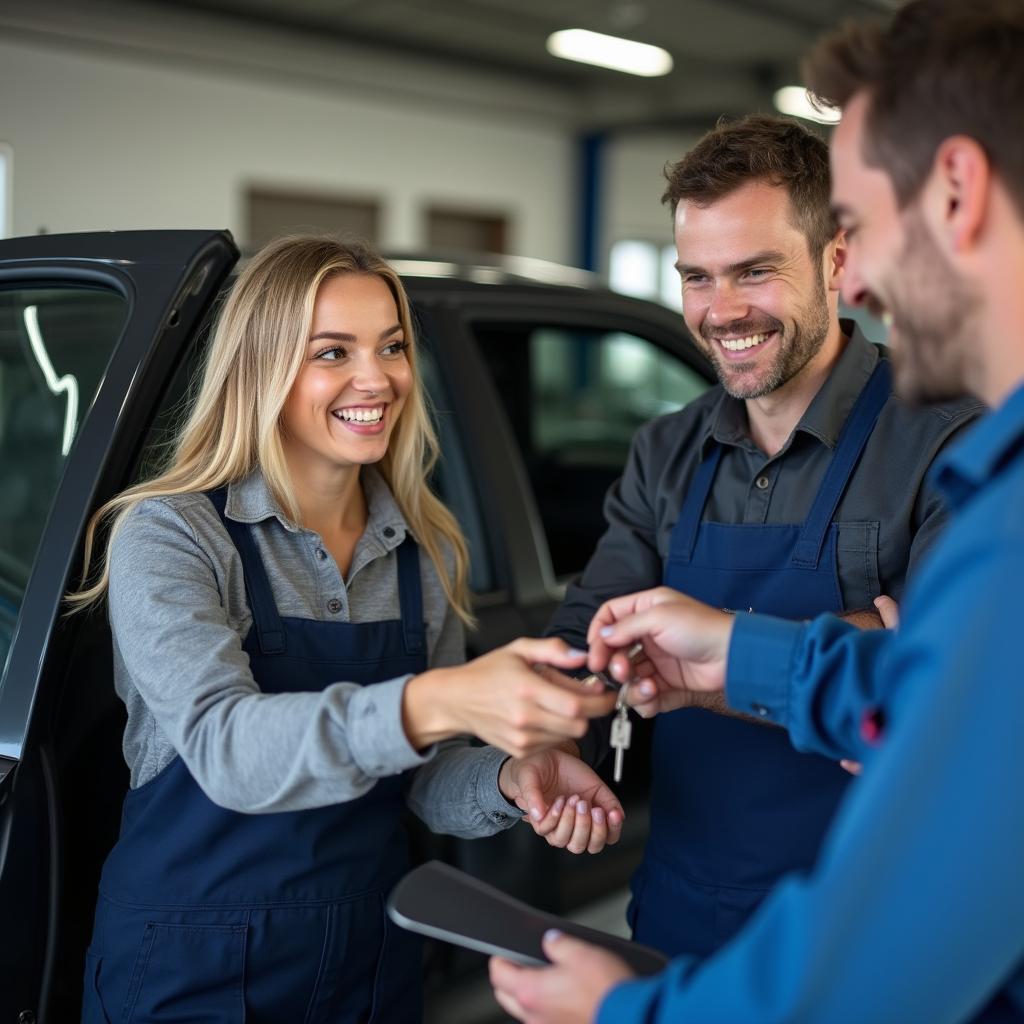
(915, 909)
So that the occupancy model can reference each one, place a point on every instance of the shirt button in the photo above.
(760, 710)
(388, 531)
(321, 554)
(761, 483)
(334, 606)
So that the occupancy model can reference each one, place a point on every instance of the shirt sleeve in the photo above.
(818, 679)
(913, 911)
(249, 751)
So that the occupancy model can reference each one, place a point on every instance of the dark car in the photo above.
(537, 388)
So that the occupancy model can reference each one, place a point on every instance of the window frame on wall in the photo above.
(6, 190)
(660, 282)
(490, 220)
(366, 205)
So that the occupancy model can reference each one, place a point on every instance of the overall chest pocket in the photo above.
(857, 563)
(210, 956)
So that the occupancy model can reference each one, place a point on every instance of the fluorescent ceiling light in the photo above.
(795, 100)
(610, 52)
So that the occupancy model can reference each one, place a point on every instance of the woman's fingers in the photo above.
(551, 820)
(531, 793)
(562, 832)
(581, 828)
(549, 651)
(598, 830)
(616, 819)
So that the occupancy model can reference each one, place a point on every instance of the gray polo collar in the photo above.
(828, 410)
(250, 501)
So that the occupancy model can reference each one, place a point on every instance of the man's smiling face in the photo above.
(896, 269)
(752, 295)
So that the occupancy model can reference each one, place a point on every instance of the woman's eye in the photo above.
(394, 349)
(331, 354)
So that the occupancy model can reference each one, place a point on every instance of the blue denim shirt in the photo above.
(915, 910)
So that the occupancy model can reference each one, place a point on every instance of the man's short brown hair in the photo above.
(942, 68)
(759, 147)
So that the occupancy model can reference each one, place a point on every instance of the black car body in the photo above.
(537, 388)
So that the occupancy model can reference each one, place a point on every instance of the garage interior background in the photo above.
(427, 126)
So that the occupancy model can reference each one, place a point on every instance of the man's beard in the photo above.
(933, 313)
(810, 329)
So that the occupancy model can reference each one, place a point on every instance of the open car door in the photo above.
(94, 329)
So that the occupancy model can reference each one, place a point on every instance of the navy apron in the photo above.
(208, 915)
(734, 806)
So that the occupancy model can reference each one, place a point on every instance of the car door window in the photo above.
(452, 480)
(575, 397)
(54, 346)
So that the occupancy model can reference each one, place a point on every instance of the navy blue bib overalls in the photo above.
(209, 915)
(733, 805)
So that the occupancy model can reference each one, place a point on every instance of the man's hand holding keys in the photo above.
(685, 647)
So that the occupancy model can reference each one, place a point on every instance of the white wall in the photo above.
(108, 139)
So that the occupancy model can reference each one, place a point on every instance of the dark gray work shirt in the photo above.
(179, 616)
(888, 516)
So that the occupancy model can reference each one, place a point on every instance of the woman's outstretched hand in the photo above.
(564, 800)
(504, 700)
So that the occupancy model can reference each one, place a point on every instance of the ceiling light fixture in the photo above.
(610, 52)
(796, 101)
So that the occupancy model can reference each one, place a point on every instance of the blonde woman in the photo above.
(286, 602)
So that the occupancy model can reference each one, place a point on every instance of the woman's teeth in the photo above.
(739, 344)
(361, 415)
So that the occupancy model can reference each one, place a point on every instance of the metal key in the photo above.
(622, 731)
(622, 727)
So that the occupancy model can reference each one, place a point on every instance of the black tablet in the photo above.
(444, 903)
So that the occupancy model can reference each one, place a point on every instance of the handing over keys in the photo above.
(622, 728)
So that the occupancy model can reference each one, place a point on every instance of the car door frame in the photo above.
(169, 280)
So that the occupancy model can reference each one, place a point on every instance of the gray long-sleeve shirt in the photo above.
(178, 614)
(888, 517)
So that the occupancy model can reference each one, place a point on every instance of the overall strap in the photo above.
(684, 535)
(410, 595)
(852, 439)
(266, 619)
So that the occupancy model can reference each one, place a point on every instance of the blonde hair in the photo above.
(234, 425)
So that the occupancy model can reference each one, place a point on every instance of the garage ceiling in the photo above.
(729, 55)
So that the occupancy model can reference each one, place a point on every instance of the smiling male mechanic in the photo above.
(796, 487)
(915, 909)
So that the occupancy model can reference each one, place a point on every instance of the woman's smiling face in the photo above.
(354, 378)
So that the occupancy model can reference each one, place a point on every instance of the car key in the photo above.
(622, 727)
(622, 731)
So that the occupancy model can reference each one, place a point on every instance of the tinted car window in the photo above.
(575, 398)
(54, 346)
(452, 480)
